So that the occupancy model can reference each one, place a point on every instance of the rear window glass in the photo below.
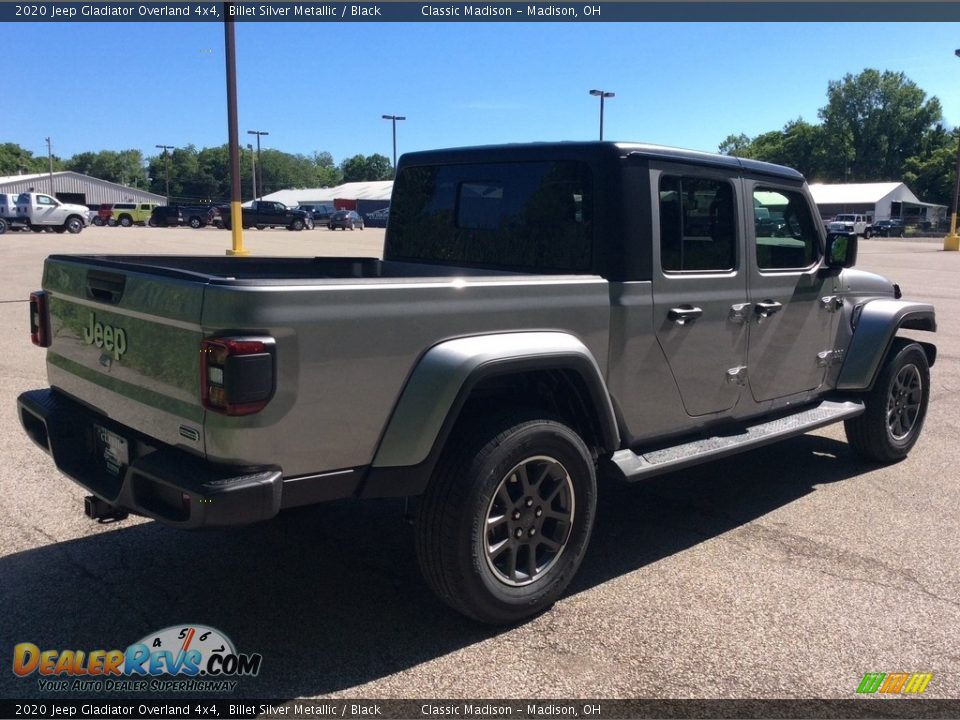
(534, 216)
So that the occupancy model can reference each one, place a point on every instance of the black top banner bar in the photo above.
(482, 12)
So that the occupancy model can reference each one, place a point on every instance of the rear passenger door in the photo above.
(794, 309)
(699, 284)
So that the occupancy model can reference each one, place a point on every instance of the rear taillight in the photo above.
(39, 319)
(236, 374)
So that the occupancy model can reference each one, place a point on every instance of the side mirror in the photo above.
(841, 250)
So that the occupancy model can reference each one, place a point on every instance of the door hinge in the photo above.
(831, 303)
(737, 375)
(739, 313)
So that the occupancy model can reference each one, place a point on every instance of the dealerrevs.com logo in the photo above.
(180, 658)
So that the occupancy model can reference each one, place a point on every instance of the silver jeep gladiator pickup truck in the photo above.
(542, 314)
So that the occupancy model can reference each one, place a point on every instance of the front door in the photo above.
(699, 285)
(794, 311)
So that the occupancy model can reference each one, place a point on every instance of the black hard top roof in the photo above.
(592, 151)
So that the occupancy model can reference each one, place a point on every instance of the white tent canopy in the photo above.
(373, 190)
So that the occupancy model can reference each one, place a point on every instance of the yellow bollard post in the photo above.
(236, 229)
(952, 241)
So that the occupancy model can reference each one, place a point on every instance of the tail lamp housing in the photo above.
(39, 319)
(237, 374)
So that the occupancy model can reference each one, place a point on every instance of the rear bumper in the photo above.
(163, 482)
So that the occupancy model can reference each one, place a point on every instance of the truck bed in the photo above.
(241, 271)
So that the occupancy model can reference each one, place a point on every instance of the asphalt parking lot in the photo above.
(787, 572)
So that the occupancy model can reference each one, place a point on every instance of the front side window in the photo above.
(787, 237)
(697, 224)
(533, 216)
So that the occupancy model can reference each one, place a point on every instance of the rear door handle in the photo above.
(767, 308)
(683, 314)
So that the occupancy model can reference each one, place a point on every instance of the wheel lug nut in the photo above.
(518, 533)
(516, 514)
(529, 502)
(533, 531)
(539, 512)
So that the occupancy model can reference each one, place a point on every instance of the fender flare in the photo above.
(876, 328)
(440, 385)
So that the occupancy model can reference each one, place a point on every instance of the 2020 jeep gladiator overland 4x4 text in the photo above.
(542, 313)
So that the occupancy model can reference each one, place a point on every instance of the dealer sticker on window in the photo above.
(116, 454)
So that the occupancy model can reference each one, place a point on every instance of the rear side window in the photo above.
(697, 224)
(533, 216)
(787, 236)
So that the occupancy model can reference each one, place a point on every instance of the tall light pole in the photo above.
(393, 119)
(253, 171)
(603, 95)
(952, 241)
(166, 166)
(258, 133)
(50, 159)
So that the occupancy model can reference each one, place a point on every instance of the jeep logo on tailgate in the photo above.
(110, 338)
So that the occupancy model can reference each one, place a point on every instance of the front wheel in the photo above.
(895, 407)
(196, 223)
(506, 518)
(297, 225)
(126, 221)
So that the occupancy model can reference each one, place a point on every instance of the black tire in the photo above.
(297, 224)
(866, 234)
(151, 222)
(3, 226)
(126, 220)
(895, 408)
(73, 225)
(503, 470)
(196, 223)
(97, 221)
(60, 229)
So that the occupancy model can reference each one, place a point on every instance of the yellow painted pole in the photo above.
(236, 214)
(236, 229)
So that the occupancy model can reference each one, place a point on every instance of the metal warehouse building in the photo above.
(74, 187)
(882, 200)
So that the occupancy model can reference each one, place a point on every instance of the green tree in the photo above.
(873, 122)
(930, 173)
(361, 168)
(124, 167)
(14, 160)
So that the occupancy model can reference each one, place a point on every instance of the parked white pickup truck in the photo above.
(39, 211)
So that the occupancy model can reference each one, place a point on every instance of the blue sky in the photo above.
(317, 87)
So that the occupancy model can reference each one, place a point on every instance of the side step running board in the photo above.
(635, 467)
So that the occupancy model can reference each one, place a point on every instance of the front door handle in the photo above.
(683, 314)
(767, 308)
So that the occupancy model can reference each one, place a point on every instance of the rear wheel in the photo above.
(895, 408)
(506, 518)
(60, 229)
(3, 226)
(196, 223)
(297, 224)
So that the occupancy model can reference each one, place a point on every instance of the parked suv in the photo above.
(127, 214)
(893, 227)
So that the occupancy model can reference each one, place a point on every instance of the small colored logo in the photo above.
(194, 652)
(894, 683)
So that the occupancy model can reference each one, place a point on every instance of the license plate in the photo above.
(115, 451)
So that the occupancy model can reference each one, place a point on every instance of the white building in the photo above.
(74, 187)
(882, 200)
(373, 190)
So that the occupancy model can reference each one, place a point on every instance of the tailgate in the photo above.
(126, 343)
